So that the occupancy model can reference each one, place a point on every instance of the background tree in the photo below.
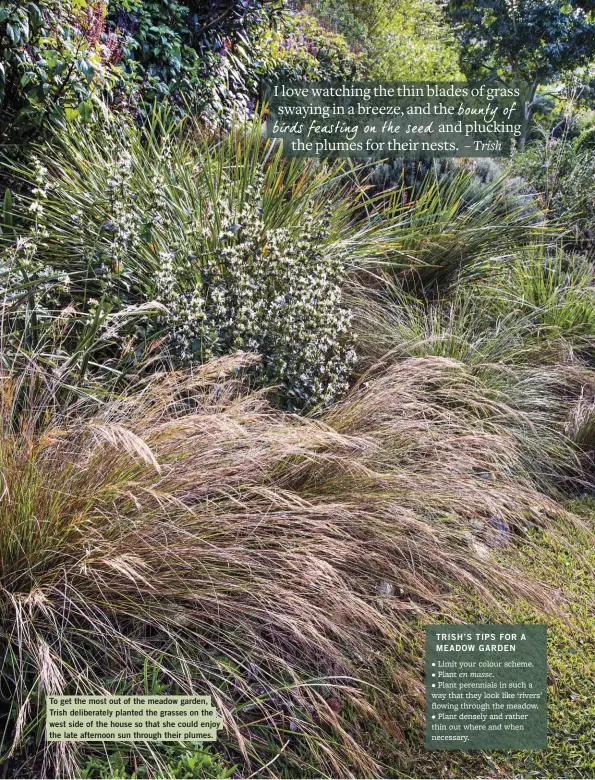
(412, 42)
(402, 40)
(201, 55)
(534, 41)
(51, 64)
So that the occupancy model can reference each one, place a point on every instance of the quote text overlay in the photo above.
(412, 119)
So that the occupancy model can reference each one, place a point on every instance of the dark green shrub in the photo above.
(303, 49)
(52, 64)
(200, 55)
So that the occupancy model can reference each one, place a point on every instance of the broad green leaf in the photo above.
(85, 110)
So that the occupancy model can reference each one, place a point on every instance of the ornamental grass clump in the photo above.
(245, 248)
(516, 365)
(270, 561)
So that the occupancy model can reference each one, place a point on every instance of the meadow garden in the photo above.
(263, 418)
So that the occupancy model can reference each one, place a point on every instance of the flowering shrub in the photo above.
(24, 277)
(266, 291)
(206, 254)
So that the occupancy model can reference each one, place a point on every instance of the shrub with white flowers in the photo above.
(273, 291)
(27, 280)
(205, 261)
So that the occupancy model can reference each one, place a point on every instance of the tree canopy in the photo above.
(535, 41)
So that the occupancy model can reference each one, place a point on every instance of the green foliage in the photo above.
(586, 140)
(303, 49)
(371, 12)
(411, 42)
(562, 175)
(51, 64)
(529, 40)
(528, 307)
(555, 291)
(452, 222)
(197, 764)
(336, 15)
(203, 56)
(402, 41)
(154, 50)
(198, 243)
(172, 761)
(55, 61)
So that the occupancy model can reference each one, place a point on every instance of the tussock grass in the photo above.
(153, 188)
(105, 205)
(554, 291)
(270, 561)
(511, 371)
(451, 228)
(175, 532)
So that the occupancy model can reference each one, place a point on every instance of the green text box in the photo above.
(486, 687)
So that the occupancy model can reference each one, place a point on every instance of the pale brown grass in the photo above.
(270, 561)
